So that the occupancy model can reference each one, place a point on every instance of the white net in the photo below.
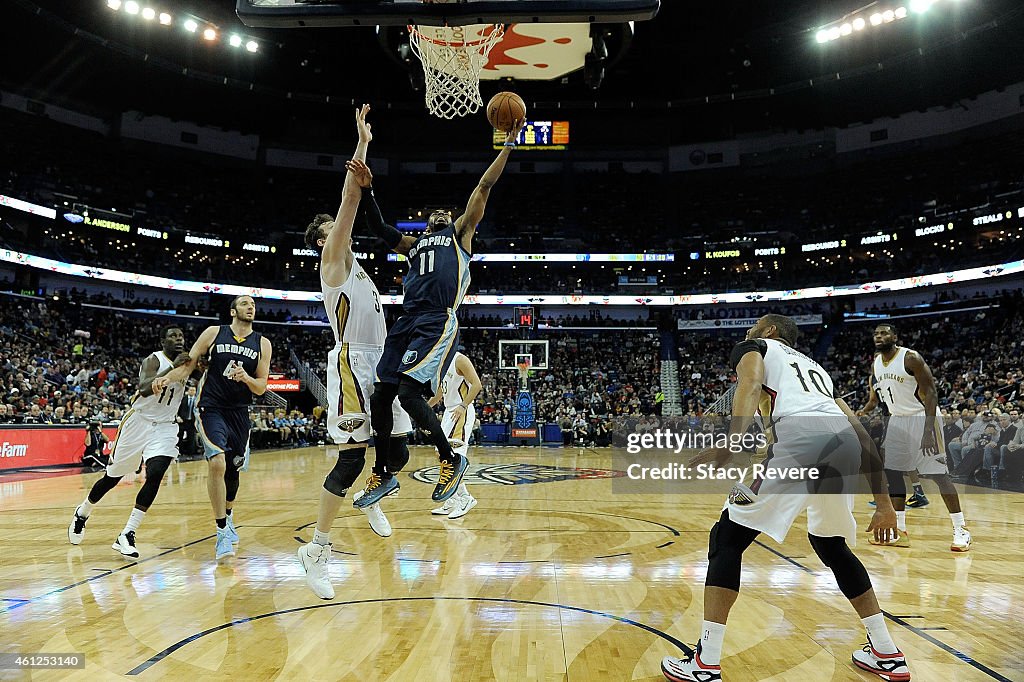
(453, 57)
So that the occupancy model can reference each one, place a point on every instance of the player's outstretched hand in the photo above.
(360, 171)
(883, 524)
(364, 128)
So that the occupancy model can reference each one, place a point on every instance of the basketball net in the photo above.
(453, 57)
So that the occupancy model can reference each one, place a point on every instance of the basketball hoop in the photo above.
(453, 57)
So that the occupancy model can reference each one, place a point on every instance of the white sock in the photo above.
(463, 491)
(958, 520)
(322, 538)
(878, 633)
(134, 519)
(901, 521)
(84, 509)
(711, 638)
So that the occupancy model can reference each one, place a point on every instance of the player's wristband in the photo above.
(510, 145)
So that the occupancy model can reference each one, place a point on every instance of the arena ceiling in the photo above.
(697, 71)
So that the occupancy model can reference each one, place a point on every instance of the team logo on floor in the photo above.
(519, 474)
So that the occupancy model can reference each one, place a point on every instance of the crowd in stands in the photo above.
(166, 190)
(61, 363)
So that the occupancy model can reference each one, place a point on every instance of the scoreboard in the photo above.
(541, 135)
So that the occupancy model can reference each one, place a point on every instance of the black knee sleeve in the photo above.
(897, 486)
(398, 454)
(156, 467)
(726, 545)
(410, 395)
(102, 487)
(346, 470)
(850, 573)
(231, 481)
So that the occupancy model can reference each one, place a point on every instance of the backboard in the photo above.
(303, 13)
(512, 351)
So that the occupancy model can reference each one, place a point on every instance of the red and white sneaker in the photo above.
(690, 669)
(891, 667)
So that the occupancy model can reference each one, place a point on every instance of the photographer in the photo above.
(95, 440)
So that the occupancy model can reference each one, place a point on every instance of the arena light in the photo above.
(210, 34)
(191, 25)
(235, 40)
(165, 19)
(846, 29)
(149, 14)
(114, 4)
(900, 12)
(920, 6)
(876, 19)
(252, 46)
(822, 36)
(859, 24)
(131, 7)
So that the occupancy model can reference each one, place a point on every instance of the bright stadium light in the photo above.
(114, 4)
(876, 19)
(210, 34)
(822, 36)
(165, 18)
(252, 46)
(901, 12)
(859, 24)
(888, 15)
(149, 14)
(846, 29)
(191, 26)
(834, 33)
(920, 6)
(235, 40)
(131, 7)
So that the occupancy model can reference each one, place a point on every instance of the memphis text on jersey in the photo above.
(424, 242)
(238, 350)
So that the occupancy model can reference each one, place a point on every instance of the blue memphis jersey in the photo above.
(215, 389)
(438, 276)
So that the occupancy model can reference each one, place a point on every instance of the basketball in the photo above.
(504, 110)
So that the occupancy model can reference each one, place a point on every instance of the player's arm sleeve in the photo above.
(744, 347)
(375, 221)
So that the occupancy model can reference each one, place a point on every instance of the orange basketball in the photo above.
(505, 109)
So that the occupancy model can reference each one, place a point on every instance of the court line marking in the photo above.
(103, 575)
(919, 631)
(142, 667)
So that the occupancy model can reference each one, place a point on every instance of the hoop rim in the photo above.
(414, 30)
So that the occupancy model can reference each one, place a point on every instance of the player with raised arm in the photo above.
(902, 381)
(357, 320)
(795, 399)
(421, 345)
(238, 367)
(458, 390)
(148, 433)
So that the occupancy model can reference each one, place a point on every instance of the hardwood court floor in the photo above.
(559, 579)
